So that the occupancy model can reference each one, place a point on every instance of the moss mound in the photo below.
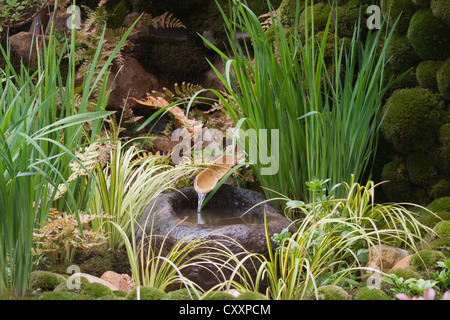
(63, 295)
(420, 170)
(396, 7)
(426, 73)
(441, 188)
(441, 204)
(405, 273)
(413, 114)
(401, 54)
(430, 220)
(443, 79)
(444, 134)
(46, 281)
(251, 295)
(97, 290)
(426, 259)
(441, 244)
(218, 295)
(146, 293)
(440, 157)
(421, 3)
(442, 229)
(321, 12)
(397, 187)
(371, 293)
(441, 10)
(333, 292)
(181, 294)
(348, 15)
(429, 36)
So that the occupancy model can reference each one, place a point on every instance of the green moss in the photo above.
(218, 295)
(146, 293)
(83, 282)
(441, 188)
(442, 229)
(63, 295)
(7, 296)
(348, 15)
(420, 170)
(441, 9)
(251, 295)
(405, 273)
(426, 259)
(401, 54)
(421, 3)
(46, 281)
(181, 294)
(120, 294)
(444, 134)
(286, 11)
(443, 79)
(321, 11)
(430, 220)
(441, 204)
(333, 292)
(426, 74)
(441, 244)
(440, 158)
(371, 293)
(96, 290)
(393, 9)
(429, 36)
(398, 186)
(413, 114)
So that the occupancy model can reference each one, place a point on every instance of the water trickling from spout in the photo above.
(201, 198)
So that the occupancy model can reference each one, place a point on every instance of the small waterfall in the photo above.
(201, 198)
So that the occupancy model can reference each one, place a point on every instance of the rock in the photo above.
(402, 263)
(122, 281)
(384, 257)
(93, 279)
(131, 81)
(60, 22)
(160, 220)
(23, 46)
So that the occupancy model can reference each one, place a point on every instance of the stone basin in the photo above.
(163, 214)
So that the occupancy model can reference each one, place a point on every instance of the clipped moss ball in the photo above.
(441, 10)
(413, 116)
(440, 158)
(443, 78)
(218, 295)
(429, 36)
(430, 220)
(397, 186)
(441, 188)
(320, 11)
(371, 293)
(426, 73)
(421, 3)
(441, 204)
(251, 295)
(394, 8)
(442, 229)
(96, 290)
(444, 134)
(426, 259)
(46, 281)
(420, 170)
(405, 273)
(441, 244)
(120, 294)
(63, 295)
(333, 292)
(401, 54)
(146, 293)
(348, 14)
(180, 294)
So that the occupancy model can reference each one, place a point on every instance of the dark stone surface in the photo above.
(168, 228)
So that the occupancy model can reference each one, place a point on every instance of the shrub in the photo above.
(401, 53)
(429, 36)
(46, 281)
(96, 290)
(251, 295)
(443, 79)
(426, 74)
(412, 118)
(426, 259)
(146, 293)
(442, 229)
(441, 10)
(371, 293)
(333, 292)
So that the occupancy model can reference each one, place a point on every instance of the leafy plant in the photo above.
(399, 284)
(442, 277)
(327, 115)
(15, 13)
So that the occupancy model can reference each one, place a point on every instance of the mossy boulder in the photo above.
(371, 293)
(146, 293)
(441, 188)
(426, 73)
(420, 169)
(180, 294)
(429, 36)
(397, 186)
(442, 229)
(413, 116)
(333, 292)
(251, 295)
(393, 9)
(218, 295)
(97, 290)
(401, 54)
(426, 259)
(46, 281)
(441, 10)
(443, 78)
